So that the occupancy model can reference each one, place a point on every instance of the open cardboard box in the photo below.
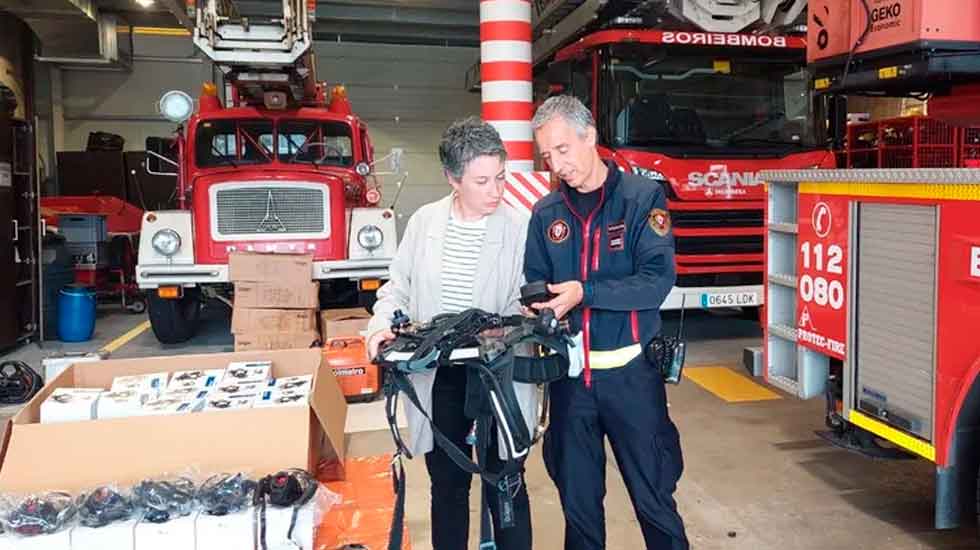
(76, 456)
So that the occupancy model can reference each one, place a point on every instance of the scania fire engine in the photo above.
(699, 96)
(277, 167)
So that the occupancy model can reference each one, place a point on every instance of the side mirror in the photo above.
(161, 157)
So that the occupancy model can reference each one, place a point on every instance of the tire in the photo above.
(175, 321)
(366, 299)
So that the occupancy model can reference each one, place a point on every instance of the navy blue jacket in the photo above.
(622, 251)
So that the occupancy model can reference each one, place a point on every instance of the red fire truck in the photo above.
(881, 288)
(278, 167)
(699, 101)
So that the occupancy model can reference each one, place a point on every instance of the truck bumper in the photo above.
(714, 297)
(153, 276)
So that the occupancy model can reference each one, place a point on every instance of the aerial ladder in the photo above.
(264, 60)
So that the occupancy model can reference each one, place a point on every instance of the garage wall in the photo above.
(406, 94)
(125, 103)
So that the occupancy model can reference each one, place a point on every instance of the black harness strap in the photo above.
(496, 368)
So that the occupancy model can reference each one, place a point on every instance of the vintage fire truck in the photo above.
(280, 166)
(699, 96)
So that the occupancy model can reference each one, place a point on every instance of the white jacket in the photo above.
(415, 287)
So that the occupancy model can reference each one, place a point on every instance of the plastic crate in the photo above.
(83, 228)
(907, 142)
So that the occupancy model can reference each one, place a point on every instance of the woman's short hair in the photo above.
(466, 140)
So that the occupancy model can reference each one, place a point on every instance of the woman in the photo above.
(463, 251)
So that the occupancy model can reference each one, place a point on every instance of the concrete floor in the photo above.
(756, 477)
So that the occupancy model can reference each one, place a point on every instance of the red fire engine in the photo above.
(699, 100)
(280, 167)
(874, 283)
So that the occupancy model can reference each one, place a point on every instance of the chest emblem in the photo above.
(659, 221)
(558, 231)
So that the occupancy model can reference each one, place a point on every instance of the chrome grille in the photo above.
(264, 210)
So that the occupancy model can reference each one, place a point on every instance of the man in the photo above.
(603, 239)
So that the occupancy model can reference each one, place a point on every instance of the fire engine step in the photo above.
(728, 385)
(863, 443)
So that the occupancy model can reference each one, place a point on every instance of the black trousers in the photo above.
(450, 507)
(629, 406)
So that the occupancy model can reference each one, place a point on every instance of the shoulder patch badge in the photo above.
(558, 231)
(659, 221)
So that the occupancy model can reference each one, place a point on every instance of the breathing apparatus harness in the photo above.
(461, 340)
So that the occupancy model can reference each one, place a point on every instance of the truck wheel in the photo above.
(175, 321)
(366, 299)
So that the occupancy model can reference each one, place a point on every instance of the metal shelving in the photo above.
(787, 365)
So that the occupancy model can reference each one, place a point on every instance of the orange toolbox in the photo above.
(359, 378)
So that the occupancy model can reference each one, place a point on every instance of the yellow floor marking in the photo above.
(729, 385)
(112, 346)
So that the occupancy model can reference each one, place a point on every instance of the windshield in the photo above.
(660, 97)
(235, 142)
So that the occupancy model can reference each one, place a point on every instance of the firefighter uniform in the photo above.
(617, 241)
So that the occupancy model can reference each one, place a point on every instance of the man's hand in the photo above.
(375, 340)
(568, 295)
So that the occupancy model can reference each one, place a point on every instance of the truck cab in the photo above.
(291, 181)
(700, 113)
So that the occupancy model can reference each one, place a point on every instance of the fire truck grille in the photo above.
(716, 218)
(261, 210)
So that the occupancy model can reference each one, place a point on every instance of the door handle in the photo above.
(16, 230)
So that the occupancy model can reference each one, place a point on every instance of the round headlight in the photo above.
(370, 237)
(166, 242)
(176, 106)
(362, 168)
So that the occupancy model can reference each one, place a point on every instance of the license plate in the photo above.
(730, 299)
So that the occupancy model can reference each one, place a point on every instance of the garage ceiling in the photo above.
(433, 22)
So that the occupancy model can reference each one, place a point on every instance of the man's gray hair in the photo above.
(569, 108)
(466, 140)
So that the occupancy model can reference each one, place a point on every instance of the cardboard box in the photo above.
(70, 405)
(232, 388)
(254, 341)
(247, 321)
(171, 405)
(239, 372)
(230, 402)
(276, 398)
(120, 404)
(197, 379)
(344, 322)
(277, 295)
(283, 269)
(300, 384)
(132, 449)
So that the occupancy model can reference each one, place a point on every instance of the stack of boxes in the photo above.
(276, 301)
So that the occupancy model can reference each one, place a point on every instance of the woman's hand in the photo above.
(375, 340)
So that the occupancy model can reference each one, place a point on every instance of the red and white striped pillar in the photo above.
(505, 77)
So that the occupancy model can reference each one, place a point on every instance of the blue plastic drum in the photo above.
(76, 314)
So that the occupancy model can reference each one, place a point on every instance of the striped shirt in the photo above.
(460, 255)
